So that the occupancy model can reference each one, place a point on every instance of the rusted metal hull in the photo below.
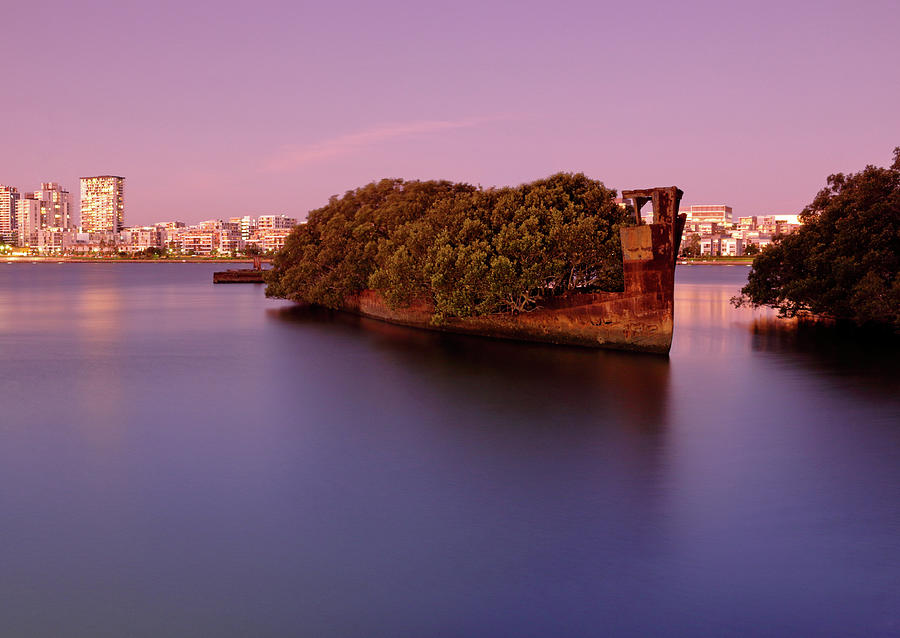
(641, 318)
(240, 276)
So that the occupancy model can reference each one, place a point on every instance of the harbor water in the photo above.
(183, 459)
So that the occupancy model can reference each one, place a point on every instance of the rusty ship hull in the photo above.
(641, 318)
(239, 276)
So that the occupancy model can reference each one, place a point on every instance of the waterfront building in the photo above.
(55, 241)
(779, 224)
(102, 203)
(706, 228)
(731, 247)
(710, 245)
(273, 239)
(718, 238)
(226, 237)
(168, 233)
(209, 224)
(719, 213)
(230, 237)
(248, 227)
(139, 238)
(170, 226)
(55, 205)
(197, 241)
(93, 243)
(773, 218)
(759, 239)
(273, 222)
(206, 237)
(9, 195)
(28, 219)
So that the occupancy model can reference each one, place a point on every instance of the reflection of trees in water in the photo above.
(865, 361)
(544, 383)
(565, 440)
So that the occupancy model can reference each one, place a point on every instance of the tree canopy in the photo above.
(844, 262)
(465, 249)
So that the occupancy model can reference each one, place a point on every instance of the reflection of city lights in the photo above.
(705, 319)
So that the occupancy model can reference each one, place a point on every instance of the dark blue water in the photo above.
(183, 459)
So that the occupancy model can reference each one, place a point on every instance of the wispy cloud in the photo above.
(291, 157)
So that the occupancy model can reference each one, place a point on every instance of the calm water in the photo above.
(183, 459)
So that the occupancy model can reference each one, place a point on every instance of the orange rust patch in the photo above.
(637, 243)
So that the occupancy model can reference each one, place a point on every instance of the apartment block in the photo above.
(140, 238)
(28, 220)
(272, 239)
(779, 224)
(9, 195)
(731, 247)
(55, 240)
(102, 203)
(230, 237)
(55, 205)
(718, 213)
(168, 233)
(197, 242)
(248, 227)
(273, 222)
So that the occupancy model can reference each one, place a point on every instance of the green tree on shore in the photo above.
(844, 262)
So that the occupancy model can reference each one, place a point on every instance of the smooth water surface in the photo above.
(183, 459)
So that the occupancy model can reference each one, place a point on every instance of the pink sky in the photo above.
(232, 108)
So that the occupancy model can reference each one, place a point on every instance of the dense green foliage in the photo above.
(153, 252)
(467, 250)
(844, 262)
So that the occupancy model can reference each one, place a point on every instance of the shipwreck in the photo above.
(640, 318)
(255, 275)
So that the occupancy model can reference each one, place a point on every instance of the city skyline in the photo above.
(73, 205)
(43, 226)
(277, 106)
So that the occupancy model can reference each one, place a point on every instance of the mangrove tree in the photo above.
(463, 249)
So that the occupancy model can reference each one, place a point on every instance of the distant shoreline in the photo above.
(728, 261)
(121, 260)
(732, 261)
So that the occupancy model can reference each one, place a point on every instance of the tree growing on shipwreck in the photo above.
(467, 251)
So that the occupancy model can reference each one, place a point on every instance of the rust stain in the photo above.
(637, 245)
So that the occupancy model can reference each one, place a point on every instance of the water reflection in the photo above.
(248, 468)
(537, 380)
(867, 362)
(705, 321)
(712, 333)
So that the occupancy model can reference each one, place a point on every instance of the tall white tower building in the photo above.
(102, 203)
(9, 195)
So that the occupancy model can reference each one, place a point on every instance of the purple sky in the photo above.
(219, 109)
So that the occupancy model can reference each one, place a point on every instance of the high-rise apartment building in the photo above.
(28, 220)
(55, 206)
(9, 195)
(102, 203)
